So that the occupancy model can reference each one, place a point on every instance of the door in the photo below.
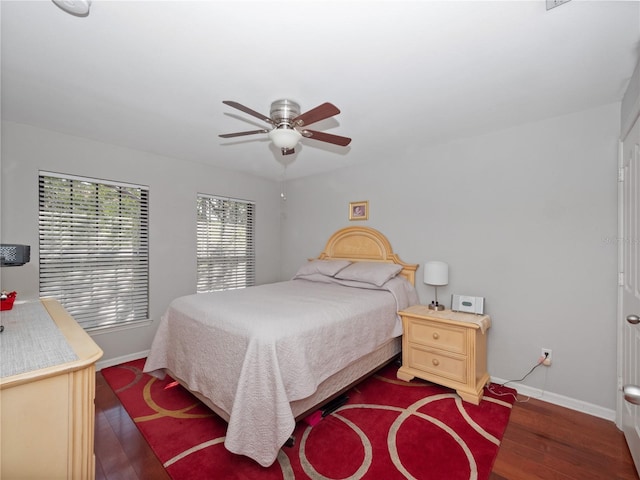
(630, 298)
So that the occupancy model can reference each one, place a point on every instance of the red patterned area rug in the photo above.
(388, 429)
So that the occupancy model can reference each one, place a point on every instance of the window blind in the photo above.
(225, 243)
(94, 248)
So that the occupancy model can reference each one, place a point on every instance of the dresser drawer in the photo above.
(436, 335)
(445, 366)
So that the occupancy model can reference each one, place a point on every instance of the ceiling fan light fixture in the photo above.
(285, 137)
(79, 8)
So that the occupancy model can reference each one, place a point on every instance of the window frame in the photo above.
(238, 267)
(94, 249)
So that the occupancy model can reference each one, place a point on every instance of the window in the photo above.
(225, 249)
(94, 249)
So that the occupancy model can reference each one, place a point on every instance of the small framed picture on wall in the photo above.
(359, 210)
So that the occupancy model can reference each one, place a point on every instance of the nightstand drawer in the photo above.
(437, 335)
(444, 366)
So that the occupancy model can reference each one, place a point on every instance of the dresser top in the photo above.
(31, 340)
(41, 340)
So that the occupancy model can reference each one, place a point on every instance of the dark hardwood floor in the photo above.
(545, 441)
(121, 450)
(542, 441)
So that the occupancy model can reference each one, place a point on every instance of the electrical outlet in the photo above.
(547, 352)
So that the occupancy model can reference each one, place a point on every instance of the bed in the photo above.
(264, 357)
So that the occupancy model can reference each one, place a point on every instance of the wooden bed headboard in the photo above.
(360, 244)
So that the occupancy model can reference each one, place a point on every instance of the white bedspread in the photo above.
(252, 351)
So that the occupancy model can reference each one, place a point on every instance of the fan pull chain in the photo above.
(283, 184)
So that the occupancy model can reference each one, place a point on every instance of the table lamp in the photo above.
(436, 274)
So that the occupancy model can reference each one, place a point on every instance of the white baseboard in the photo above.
(118, 360)
(556, 399)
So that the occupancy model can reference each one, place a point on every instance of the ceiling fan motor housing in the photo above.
(284, 111)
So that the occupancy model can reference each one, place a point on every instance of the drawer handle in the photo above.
(436, 335)
(435, 362)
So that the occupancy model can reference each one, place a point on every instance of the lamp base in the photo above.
(436, 306)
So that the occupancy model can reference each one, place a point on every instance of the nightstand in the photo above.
(445, 347)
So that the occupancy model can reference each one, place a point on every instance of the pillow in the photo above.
(370, 272)
(325, 267)
(315, 277)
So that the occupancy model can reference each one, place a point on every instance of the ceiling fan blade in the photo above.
(314, 115)
(327, 137)
(249, 111)
(241, 134)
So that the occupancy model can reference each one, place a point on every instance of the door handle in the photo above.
(633, 319)
(632, 394)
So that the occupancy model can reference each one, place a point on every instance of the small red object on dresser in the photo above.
(6, 300)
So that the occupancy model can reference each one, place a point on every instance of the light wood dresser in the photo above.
(47, 415)
(445, 347)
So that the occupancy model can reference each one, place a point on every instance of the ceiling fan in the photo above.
(289, 125)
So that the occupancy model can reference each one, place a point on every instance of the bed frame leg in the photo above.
(290, 442)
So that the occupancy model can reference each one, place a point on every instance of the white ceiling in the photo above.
(151, 75)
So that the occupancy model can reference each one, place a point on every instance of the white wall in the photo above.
(630, 103)
(525, 217)
(173, 185)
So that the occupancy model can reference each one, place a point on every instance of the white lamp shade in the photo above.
(284, 137)
(436, 273)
